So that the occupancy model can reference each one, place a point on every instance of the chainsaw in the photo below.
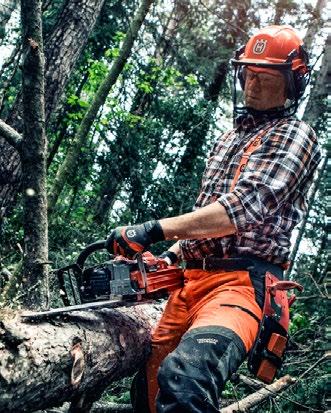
(116, 282)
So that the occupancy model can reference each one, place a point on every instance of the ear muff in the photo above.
(296, 83)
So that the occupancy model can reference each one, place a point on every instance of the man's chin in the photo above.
(254, 106)
(253, 103)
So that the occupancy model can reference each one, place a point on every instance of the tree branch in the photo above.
(11, 135)
(253, 383)
(111, 408)
(259, 396)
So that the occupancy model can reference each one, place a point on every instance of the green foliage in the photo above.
(97, 71)
(191, 79)
(298, 322)
(118, 392)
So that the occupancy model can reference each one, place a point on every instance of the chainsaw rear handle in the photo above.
(87, 251)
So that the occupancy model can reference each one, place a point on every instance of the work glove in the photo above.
(128, 241)
(169, 257)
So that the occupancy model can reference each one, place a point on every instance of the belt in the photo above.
(212, 263)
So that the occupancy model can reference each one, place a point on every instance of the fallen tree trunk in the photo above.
(72, 358)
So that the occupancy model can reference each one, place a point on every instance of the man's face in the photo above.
(264, 90)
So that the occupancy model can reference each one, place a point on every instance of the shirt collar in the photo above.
(252, 121)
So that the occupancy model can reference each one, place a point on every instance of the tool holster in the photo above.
(268, 351)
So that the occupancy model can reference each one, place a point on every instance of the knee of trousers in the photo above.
(193, 376)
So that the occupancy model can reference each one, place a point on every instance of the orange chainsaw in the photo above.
(117, 282)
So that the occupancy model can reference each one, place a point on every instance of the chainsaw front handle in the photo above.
(87, 251)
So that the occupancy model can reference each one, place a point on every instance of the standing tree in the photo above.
(33, 156)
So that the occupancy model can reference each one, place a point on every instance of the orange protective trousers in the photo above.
(207, 298)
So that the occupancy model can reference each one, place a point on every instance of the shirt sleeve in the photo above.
(287, 157)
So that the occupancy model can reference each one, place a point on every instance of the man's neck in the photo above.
(254, 119)
(271, 112)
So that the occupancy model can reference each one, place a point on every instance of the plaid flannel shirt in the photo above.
(269, 198)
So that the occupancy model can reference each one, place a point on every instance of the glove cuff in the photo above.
(154, 230)
(169, 256)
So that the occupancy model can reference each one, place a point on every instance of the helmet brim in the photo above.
(262, 63)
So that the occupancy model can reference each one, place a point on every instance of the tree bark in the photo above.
(316, 108)
(63, 47)
(99, 407)
(75, 24)
(67, 169)
(45, 364)
(33, 155)
(62, 50)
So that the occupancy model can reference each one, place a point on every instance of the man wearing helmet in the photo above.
(253, 194)
(278, 51)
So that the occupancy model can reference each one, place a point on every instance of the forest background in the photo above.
(135, 94)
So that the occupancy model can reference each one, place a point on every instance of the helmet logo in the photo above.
(260, 46)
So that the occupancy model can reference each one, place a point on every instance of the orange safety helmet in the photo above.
(275, 48)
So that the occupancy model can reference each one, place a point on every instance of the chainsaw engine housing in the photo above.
(145, 275)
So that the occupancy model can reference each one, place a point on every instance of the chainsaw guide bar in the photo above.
(80, 307)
